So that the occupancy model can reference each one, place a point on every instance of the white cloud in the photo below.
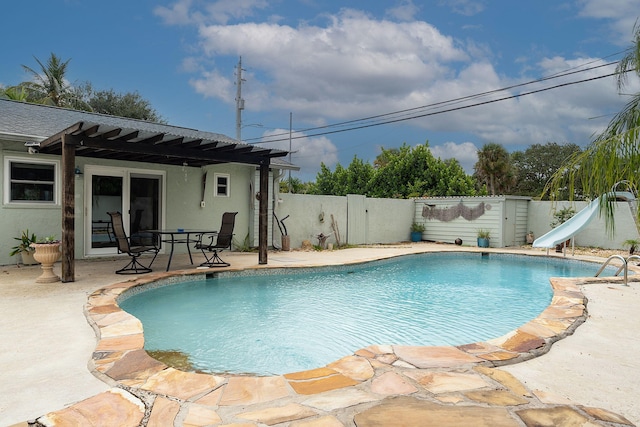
(406, 10)
(356, 66)
(466, 153)
(464, 7)
(184, 12)
(307, 152)
(622, 15)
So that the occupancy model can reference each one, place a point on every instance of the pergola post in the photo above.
(263, 225)
(68, 207)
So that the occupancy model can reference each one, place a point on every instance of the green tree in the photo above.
(494, 169)
(297, 186)
(129, 104)
(415, 172)
(614, 155)
(535, 166)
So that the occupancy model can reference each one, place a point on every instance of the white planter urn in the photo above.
(47, 254)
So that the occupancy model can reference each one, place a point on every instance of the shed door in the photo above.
(509, 225)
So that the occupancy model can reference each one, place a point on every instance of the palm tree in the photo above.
(614, 155)
(494, 168)
(15, 93)
(49, 85)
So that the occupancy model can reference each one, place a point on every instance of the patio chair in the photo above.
(125, 246)
(222, 239)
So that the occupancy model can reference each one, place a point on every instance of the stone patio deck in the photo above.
(376, 386)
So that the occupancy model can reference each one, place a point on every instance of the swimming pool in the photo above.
(266, 323)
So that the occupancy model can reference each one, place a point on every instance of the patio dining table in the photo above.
(179, 235)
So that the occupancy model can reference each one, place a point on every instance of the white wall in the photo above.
(388, 221)
(595, 234)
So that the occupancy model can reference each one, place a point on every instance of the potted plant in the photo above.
(560, 217)
(47, 252)
(24, 248)
(416, 231)
(632, 243)
(483, 238)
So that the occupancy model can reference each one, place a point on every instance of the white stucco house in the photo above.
(62, 170)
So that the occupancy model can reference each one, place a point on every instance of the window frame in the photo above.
(227, 187)
(9, 160)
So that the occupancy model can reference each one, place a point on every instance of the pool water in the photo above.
(277, 323)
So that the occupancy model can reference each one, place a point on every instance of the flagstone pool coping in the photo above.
(377, 385)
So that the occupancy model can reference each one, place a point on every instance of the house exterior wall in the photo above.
(181, 205)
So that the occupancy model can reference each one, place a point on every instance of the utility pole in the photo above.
(290, 131)
(239, 100)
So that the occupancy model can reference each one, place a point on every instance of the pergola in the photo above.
(150, 143)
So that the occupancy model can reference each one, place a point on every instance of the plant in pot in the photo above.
(560, 217)
(416, 231)
(24, 248)
(483, 238)
(632, 244)
(47, 253)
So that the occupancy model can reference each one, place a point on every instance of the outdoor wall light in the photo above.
(77, 170)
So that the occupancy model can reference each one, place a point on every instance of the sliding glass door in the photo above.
(137, 194)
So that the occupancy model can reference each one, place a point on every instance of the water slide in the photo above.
(576, 223)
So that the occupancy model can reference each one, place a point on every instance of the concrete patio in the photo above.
(51, 362)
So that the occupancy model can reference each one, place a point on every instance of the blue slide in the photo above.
(576, 223)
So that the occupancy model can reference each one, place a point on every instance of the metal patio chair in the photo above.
(125, 246)
(222, 240)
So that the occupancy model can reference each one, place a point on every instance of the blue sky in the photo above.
(329, 62)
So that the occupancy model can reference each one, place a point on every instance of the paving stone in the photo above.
(116, 405)
(408, 411)
(496, 397)
(605, 415)
(128, 326)
(252, 390)
(519, 341)
(200, 416)
(537, 329)
(339, 399)
(211, 399)
(163, 412)
(434, 357)
(450, 398)
(505, 378)
(447, 382)
(499, 356)
(313, 373)
(321, 385)
(96, 311)
(121, 343)
(554, 416)
(354, 367)
(183, 385)
(391, 383)
(135, 364)
(280, 414)
(326, 421)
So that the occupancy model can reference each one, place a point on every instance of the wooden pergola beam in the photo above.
(68, 207)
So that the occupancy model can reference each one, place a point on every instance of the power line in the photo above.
(431, 106)
(573, 70)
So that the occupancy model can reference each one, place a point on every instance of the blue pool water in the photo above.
(278, 323)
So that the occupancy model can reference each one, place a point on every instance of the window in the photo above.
(221, 185)
(31, 181)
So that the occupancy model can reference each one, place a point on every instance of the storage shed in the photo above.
(449, 218)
